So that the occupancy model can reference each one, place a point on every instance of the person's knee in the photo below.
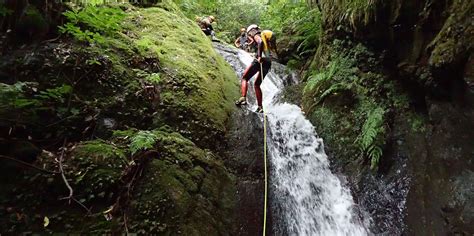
(257, 83)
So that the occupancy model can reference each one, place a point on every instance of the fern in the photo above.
(91, 23)
(143, 140)
(371, 139)
(308, 29)
(57, 94)
(341, 86)
(315, 82)
(12, 97)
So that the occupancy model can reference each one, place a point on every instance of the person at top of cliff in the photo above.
(261, 65)
(206, 25)
(243, 41)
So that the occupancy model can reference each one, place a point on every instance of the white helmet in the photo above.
(251, 27)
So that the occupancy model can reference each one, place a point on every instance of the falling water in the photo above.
(307, 198)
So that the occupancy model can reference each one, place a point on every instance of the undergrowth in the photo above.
(143, 140)
(12, 97)
(4, 11)
(371, 140)
(297, 21)
(91, 24)
(353, 104)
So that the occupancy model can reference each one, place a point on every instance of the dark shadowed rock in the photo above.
(245, 149)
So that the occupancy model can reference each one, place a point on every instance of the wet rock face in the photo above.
(245, 160)
(246, 143)
(441, 193)
(244, 157)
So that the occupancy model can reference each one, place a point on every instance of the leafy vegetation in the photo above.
(229, 20)
(359, 102)
(372, 140)
(143, 140)
(12, 97)
(57, 94)
(4, 11)
(356, 12)
(90, 24)
(295, 21)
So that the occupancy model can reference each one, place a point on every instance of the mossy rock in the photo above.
(198, 86)
(196, 90)
(186, 190)
(453, 43)
(95, 168)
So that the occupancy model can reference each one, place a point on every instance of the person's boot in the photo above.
(259, 109)
(241, 101)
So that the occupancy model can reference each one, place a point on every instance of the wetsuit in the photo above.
(265, 42)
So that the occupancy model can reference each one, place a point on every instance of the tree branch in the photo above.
(61, 169)
(29, 165)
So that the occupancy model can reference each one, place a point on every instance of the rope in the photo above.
(265, 166)
(265, 163)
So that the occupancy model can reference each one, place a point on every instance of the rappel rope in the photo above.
(265, 163)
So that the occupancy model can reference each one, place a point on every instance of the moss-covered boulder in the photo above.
(95, 168)
(197, 85)
(119, 67)
(185, 190)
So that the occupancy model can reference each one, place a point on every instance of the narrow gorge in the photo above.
(118, 117)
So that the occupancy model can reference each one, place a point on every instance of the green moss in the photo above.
(95, 168)
(183, 191)
(206, 84)
(196, 87)
(99, 152)
(454, 40)
(417, 122)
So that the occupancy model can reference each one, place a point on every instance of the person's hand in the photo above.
(259, 59)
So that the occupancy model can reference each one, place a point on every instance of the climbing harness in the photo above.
(264, 163)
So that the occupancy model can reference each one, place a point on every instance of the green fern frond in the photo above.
(341, 86)
(319, 81)
(371, 139)
(143, 140)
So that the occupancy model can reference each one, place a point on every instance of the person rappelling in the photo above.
(266, 44)
(206, 26)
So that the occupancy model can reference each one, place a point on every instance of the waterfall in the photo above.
(307, 199)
